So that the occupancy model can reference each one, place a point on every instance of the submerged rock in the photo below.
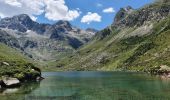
(8, 91)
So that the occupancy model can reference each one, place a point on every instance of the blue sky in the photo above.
(96, 14)
(97, 6)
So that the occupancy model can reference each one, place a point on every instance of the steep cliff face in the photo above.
(8, 39)
(21, 23)
(42, 41)
(137, 40)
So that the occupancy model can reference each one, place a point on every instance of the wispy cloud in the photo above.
(109, 10)
(99, 5)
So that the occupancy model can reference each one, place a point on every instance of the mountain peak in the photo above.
(22, 15)
(63, 22)
(123, 12)
(129, 17)
(20, 22)
(21, 18)
(128, 8)
(63, 25)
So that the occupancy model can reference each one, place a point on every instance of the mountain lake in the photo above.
(92, 86)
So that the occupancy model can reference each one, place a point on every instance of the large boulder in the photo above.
(11, 82)
(165, 67)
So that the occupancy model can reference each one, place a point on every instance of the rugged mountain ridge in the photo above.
(23, 23)
(42, 41)
(129, 17)
(137, 40)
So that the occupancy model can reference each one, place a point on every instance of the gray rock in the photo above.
(130, 17)
(5, 63)
(168, 76)
(11, 82)
(8, 39)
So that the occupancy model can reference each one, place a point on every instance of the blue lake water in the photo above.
(92, 86)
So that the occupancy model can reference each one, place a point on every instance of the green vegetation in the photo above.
(118, 50)
(14, 64)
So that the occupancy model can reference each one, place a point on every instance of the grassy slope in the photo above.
(109, 50)
(19, 66)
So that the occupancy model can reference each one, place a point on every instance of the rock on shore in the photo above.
(163, 71)
(7, 82)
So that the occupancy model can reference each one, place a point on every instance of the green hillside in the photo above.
(138, 42)
(14, 64)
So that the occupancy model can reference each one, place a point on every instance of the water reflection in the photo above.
(20, 92)
(95, 86)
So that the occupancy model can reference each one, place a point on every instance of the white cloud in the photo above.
(72, 14)
(53, 9)
(91, 17)
(10, 8)
(109, 10)
(57, 10)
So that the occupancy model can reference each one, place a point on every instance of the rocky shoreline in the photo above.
(14, 78)
(9, 82)
(163, 71)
